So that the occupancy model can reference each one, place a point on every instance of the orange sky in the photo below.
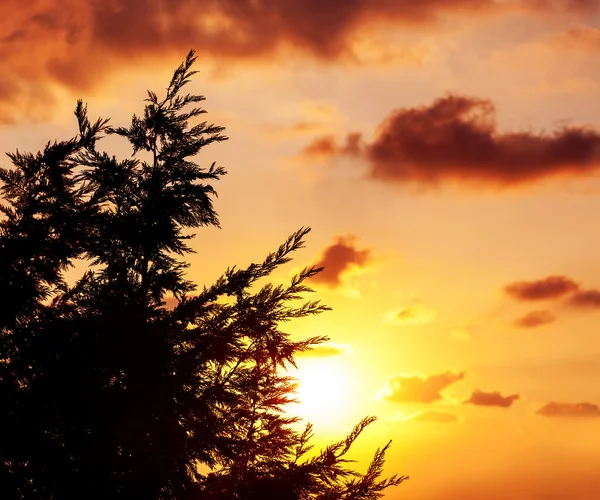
(446, 154)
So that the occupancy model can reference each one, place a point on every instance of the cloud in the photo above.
(455, 139)
(534, 319)
(569, 410)
(575, 6)
(494, 398)
(588, 299)
(326, 349)
(405, 388)
(440, 417)
(580, 38)
(326, 146)
(411, 315)
(551, 287)
(339, 258)
(76, 44)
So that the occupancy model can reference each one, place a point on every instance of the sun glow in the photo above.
(325, 392)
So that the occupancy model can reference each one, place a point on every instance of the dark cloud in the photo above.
(440, 417)
(570, 410)
(455, 139)
(418, 388)
(589, 299)
(551, 287)
(76, 43)
(534, 319)
(494, 398)
(338, 258)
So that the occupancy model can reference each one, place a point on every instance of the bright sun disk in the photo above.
(325, 391)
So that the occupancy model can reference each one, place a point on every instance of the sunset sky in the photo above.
(446, 154)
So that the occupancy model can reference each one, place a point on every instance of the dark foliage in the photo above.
(106, 394)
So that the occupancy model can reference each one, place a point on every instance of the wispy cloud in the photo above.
(582, 38)
(418, 314)
(416, 388)
(534, 319)
(326, 146)
(570, 410)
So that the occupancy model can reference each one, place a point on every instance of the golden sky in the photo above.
(446, 154)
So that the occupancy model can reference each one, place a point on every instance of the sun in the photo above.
(325, 392)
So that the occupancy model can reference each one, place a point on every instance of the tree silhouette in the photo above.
(107, 394)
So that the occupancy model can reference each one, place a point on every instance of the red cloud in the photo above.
(551, 287)
(586, 299)
(570, 410)
(418, 388)
(338, 258)
(455, 139)
(535, 319)
(481, 398)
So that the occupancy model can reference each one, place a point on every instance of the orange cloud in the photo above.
(339, 258)
(324, 146)
(582, 6)
(570, 410)
(580, 38)
(589, 299)
(327, 146)
(440, 417)
(551, 287)
(76, 43)
(455, 139)
(534, 319)
(418, 388)
(494, 398)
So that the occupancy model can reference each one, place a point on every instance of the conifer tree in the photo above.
(107, 394)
